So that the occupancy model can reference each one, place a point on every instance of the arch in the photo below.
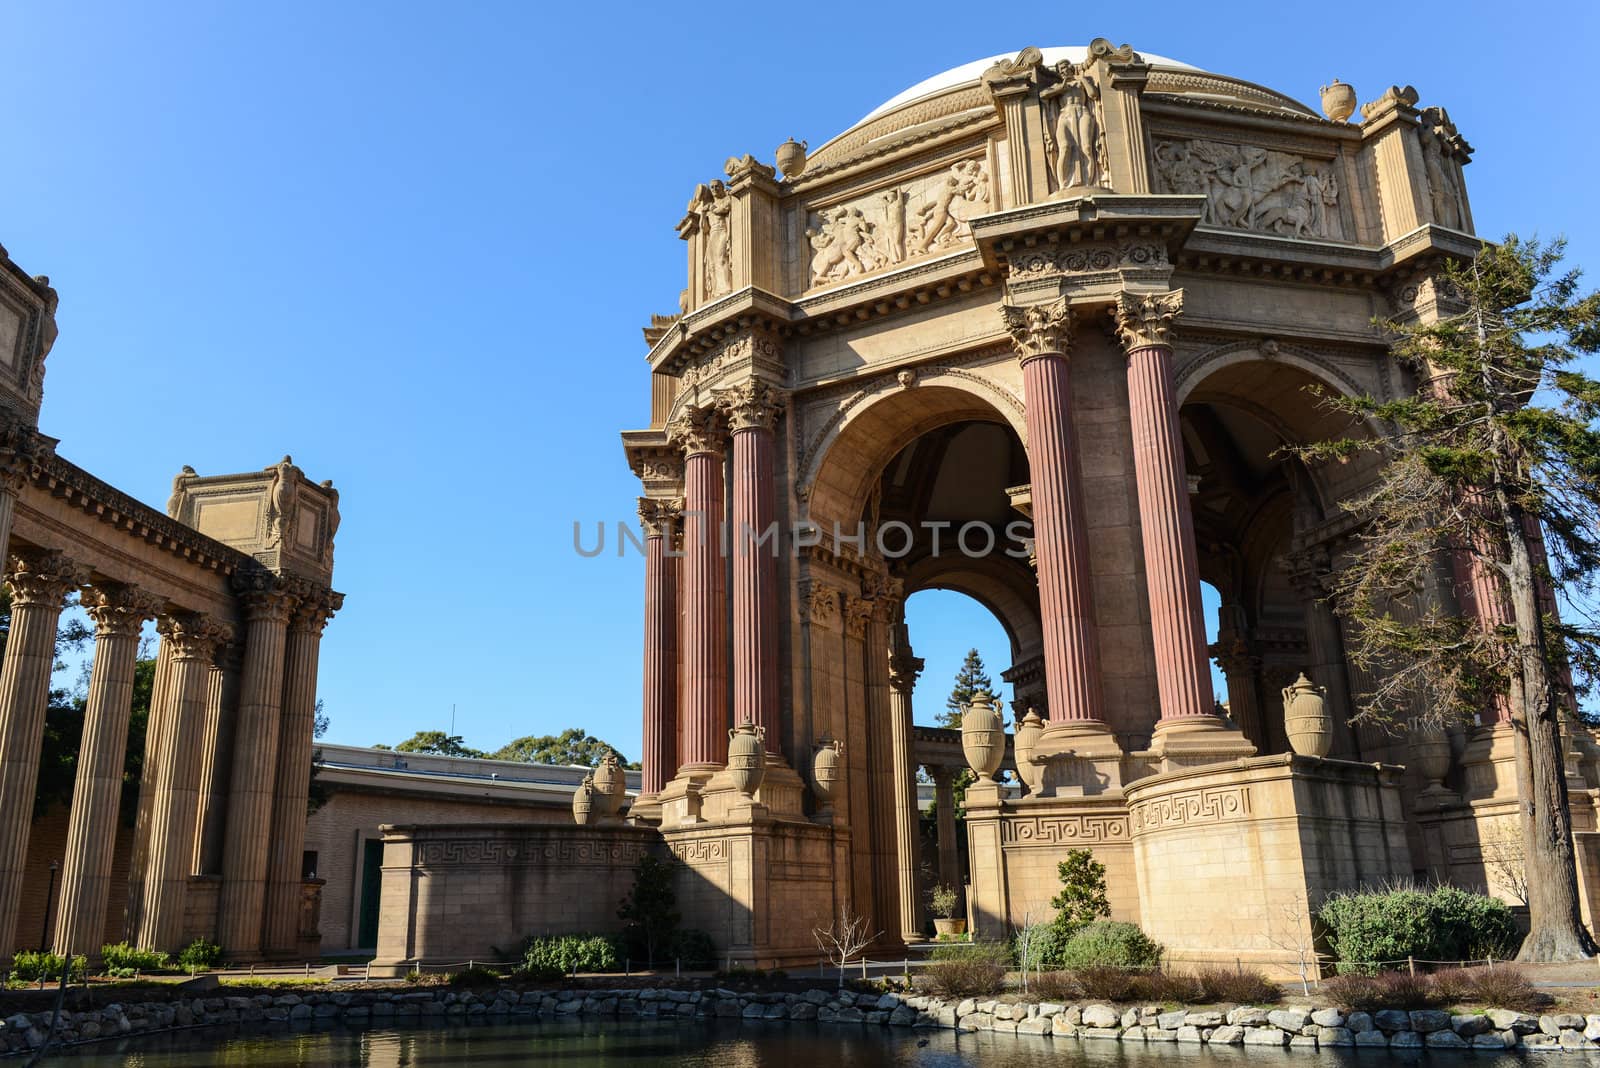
(1211, 361)
(992, 583)
(839, 465)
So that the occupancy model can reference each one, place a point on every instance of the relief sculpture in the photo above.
(714, 204)
(1253, 188)
(888, 227)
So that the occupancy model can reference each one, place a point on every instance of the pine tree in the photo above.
(969, 680)
(1491, 464)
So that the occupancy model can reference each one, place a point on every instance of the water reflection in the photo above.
(702, 1044)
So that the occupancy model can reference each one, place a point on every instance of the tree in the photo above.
(650, 909)
(437, 742)
(571, 746)
(843, 939)
(1082, 899)
(969, 681)
(1490, 483)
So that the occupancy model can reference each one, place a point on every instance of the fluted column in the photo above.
(216, 757)
(659, 517)
(873, 619)
(752, 409)
(944, 815)
(118, 612)
(40, 582)
(1171, 568)
(174, 780)
(1241, 667)
(903, 671)
(705, 697)
(20, 448)
(296, 731)
(255, 762)
(1041, 334)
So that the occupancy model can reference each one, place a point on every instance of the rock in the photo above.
(1130, 1018)
(816, 997)
(1059, 1026)
(1050, 1008)
(1328, 1018)
(1229, 1035)
(1392, 1020)
(1034, 1025)
(1007, 1026)
(1303, 1042)
(301, 1012)
(1247, 1016)
(1266, 1036)
(1336, 1036)
(1591, 1030)
(802, 1010)
(1073, 1014)
(887, 1003)
(1171, 1021)
(1291, 1020)
(1160, 1034)
(754, 1011)
(1507, 1020)
(966, 1007)
(1495, 1040)
(850, 1014)
(977, 1021)
(1405, 1040)
(1100, 1032)
(1541, 1042)
(1188, 1034)
(1561, 1021)
(1100, 1016)
(1359, 1021)
(1470, 1024)
(1203, 1019)
(1573, 1039)
(1371, 1038)
(1429, 1020)
(1445, 1039)
(905, 1016)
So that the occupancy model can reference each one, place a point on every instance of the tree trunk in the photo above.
(1556, 931)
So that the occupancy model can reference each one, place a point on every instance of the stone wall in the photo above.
(1232, 858)
(458, 892)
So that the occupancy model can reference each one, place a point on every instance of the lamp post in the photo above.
(49, 903)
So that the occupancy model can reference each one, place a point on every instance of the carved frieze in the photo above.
(702, 851)
(1050, 831)
(857, 615)
(1032, 263)
(821, 602)
(889, 227)
(1215, 804)
(497, 851)
(1248, 187)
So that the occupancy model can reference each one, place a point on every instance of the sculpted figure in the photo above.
(839, 246)
(1077, 127)
(894, 224)
(940, 221)
(283, 497)
(178, 482)
(718, 208)
(1441, 187)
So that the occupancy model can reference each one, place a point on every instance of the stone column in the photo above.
(878, 614)
(1241, 667)
(903, 671)
(1041, 334)
(659, 518)
(266, 605)
(296, 735)
(20, 447)
(216, 757)
(752, 409)
(1325, 646)
(40, 581)
(154, 732)
(157, 922)
(1172, 571)
(705, 695)
(944, 808)
(118, 613)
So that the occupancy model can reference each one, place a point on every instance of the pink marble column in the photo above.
(1041, 334)
(1172, 572)
(752, 409)
(659, 518)
(705, 692)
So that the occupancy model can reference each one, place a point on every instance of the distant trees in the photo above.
(972, 678)
(572, 747)
(438, 742)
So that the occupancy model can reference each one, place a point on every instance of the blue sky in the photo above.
(414, 245)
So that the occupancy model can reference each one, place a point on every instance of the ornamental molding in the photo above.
(1057, 831)
(820, 601)
(118, 610)
(1039, 329)
(1215, 804)
(858, 612)
(702, 850)
(1145, 319)
(699, 430)
(43, 577)
(455, 852)
(1028, 264)
(751, 405)
(659, 516)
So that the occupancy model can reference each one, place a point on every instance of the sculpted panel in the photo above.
(1253, 188)
(1062, 830)
(891, 226)
(1208, 805)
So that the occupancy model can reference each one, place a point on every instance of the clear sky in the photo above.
(414, 245)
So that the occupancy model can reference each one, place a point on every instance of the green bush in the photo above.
(1372, 928)
(124, 956)
(31, 966)
(1110, 944)
(1082, 899)
(693, 949)
(564, 954)
(200, 956)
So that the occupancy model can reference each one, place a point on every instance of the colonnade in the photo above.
(226, 766)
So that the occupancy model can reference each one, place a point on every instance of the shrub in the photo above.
(1504, 988)
(200, 955)
(1368, 929)
(693, 948)
(1082, 899)
(1179, 988)
(123, 955)
(475, 975)
(942, 902)
(1109, 943)
(1386, 990)
(1055, 986)
(1107, 983)
(650, 910)
(1046, 949)
(1239, 987)
(31, 966)
(560, 955)
(969, 971)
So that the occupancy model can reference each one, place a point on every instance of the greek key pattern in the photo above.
(1063, 830)
(465, 851)
(702, 850)
(1216, 805)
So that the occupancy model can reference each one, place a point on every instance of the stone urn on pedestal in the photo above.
(583, 801)
(610, 786)
(1338, 101)
(747, 757)
(983, 736)
(1305, 718)
(1430, 752)
(825, 771)
(792, 158)
(1027, 737)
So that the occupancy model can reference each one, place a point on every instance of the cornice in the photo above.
(1179, 105)
(945, 133)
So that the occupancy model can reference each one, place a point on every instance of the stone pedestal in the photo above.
(1192, 741)
(1079, 757)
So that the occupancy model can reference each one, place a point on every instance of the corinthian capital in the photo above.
(697, 430)
(751, 405)
(1145, 319)
(193, 636)
(118, 610)
(659, 515)
(43, 577)
(1039, 329)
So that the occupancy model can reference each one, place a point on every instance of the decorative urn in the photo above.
(1430, 749)
(1338, 101)
(1026, 738)
(983, 736)
(1305, 718)
(583, 801)
(610, 785)
(792, 158)
(747, 757)
(825, 770)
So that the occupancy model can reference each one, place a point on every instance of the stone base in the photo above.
(645, 811)
(682, 800)
(1193, 741)
(1080, 758)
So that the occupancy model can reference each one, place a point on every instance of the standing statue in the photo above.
(333, 522)
(717, 212)
(1441, 187)
(179, 480)
(283, 498)
(1079, 138)
(894, 219)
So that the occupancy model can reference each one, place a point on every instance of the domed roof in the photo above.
(971, 72)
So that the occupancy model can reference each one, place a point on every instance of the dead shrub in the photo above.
(1241, 987)
(1105, 983)
(1386, 990)
(977, 970)
(1055, 986)
(1167, 987)
(1503, 988)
